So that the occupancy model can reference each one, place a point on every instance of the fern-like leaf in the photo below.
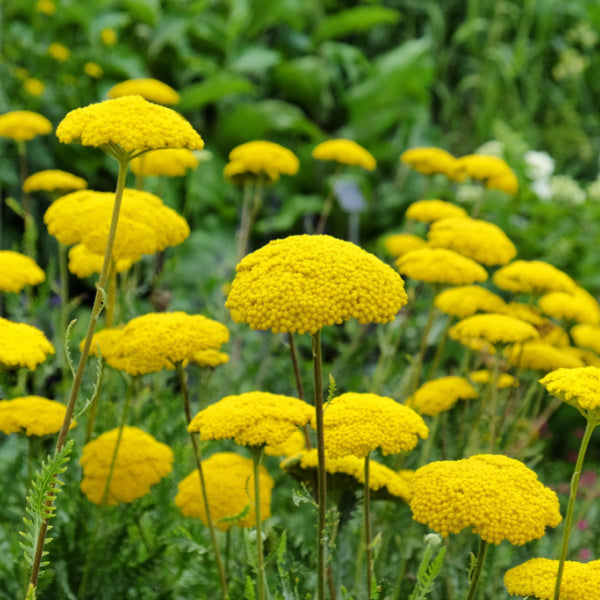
(68, 348)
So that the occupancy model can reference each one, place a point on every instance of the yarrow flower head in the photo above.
(491, 170)
(493, 328)
(398, 244)
(252, 419)
(587, 336)
(32, 415)
(532, 276)
(172, 162)
(579, 387)
(22, 345)
(499, 497)
(18, 271)
(302, 283)
(431, 160)
(577, 306)
(229, 480)
(141, 462)
(295, 444)
(541, 356)
(83, 262)
(59, 52)
(466, 300)
(428, 211)
(148, 88)
(438, 395)
(347, 152)
(503, 380)
(23, 125)
(439, 265)
(53, 180)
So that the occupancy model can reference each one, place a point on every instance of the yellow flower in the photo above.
(107, 340)
(525, 312)
(59, 52)
(579, 387)
(93, 70)
(149, 89)
(483, 376)
(83, 262)
(587, 357)
(439, 395)
(229, 480)
(532, 276)
(109, 38)
(482, 241)
(23, 125)
(172, 162)
(428, 211)
(17, 271)
(32, 415)
(346, 152)
(238, 173)
(46, 6)
(261, 157)
(209, 358)
(491, 170)
(302, 283)
(431, 160)
(399, 244)
(499, 497)
(53, 180)
(466, 300)
(587, 336)
(439, 265)
(295, 444)
(494, 328)
(541, 357)
(141, 462)
(536, 578)
(576, 305)
(130, 122)
(22, 345)
(359, 423)
(252, 419)
(158, 341)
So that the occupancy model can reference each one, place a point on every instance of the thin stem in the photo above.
(257, 453)
(439, 350)
(321, 473)
(250, 205)
(589, 429)
(483, 545)
(112, 294)
(327, 205)
(64, 307)
(197, 456)
(367, 495)
(417, 365)
(294, 356)
(494, 402)
(425, 452)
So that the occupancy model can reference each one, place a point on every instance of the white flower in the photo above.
(540, 165)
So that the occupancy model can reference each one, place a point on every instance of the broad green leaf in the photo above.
(354, 20)
(146, 11)
(255, 60)
(213, 88)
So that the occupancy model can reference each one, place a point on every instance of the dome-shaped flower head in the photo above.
(22, 345)
(493, 328)
(141, 462)
(346, 152)
(359, 423)
(499, 497)
(540, 356)
(438, 265)
(130, 124)
(579, 387)
(536, 578)
(587, 357)
(483, 376)
(229, 480)
(107, 340)
(148, 88)
(295, 444)
(23, 125)
(17, 271)
(252, 419)
(482, 241)
(466, 300)
(59, 52)
(158, 341)
(525, 312)
(439, 395)
(172, 162)
(577, 306)
(491, 170)
(587, 336)
(32, 415)
(524, 276)
(83, 262)
(53, 180)
(431, 160)
(428, 211)
(303, 282)
(398, 244)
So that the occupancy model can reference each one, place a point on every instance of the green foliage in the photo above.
(429, 569)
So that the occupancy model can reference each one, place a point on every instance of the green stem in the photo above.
(111, 299)
(327, 205)
(494, 402)
(589, 429)
(64, 307)
(483, 545)
(257, 453)
(429, 441)
(367, 495)
(440, 348)
(294, 356)
(419, 361)
(321, 473)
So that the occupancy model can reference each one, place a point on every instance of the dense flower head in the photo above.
(579, 387)
(578, 306)
(107, 340)
(532, 276)
(53, 180)
(252, 419)
(83, 262)
(109, 37)
(261, 157)
(141, 462)
(431, 160)
(491, 170)
(32, 415)
(356, 424)
(34, 87)
(499, 497)
(587, 357)
(494, 328)
(439, 265)
(171, 162)
(130, 122)
(158, 341)
(22, 345)
(148, 88)
(209, 358)
(466, 300)
(587, 336)
(347, 152)
(146, 224)
(23, 125)
(441, 394)
(536, 578)
(18, 270)
(295, 444)
(58, 51)
(229, 480)
(504, 380)
(525, 312)
(482, 241)
(93, 70)
(428, 211)
(304, 282)
(398, 244)
(540, 356)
